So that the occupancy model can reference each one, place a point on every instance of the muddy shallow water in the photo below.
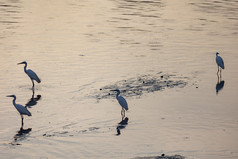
(160, 54)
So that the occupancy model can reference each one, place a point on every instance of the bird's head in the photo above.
(11, 96)
(217, 53)
(24, 62)
(116, 90)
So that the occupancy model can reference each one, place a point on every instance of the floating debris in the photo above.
(142, 84)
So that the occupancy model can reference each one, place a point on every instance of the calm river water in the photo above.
(159, 53)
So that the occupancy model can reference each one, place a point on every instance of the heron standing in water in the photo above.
(21, 109)
(31, 74)
(122, 102)
(219, 62)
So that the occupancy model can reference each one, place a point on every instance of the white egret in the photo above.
(31, 74)
(21, 109)
(122, 102)
(220, 62)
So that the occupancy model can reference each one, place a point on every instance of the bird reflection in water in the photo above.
(33, 100)
(122, 125)
(21, 135)
(220, 83)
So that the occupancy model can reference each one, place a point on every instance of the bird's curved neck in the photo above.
(14, 101)
(25, 67)
(117, 95)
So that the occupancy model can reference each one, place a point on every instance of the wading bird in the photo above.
(122, 102)
(220, 62)
(21, 109)
(31, 74)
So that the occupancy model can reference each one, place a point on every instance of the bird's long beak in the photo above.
(113, 90)
(9, 96)
(20, 63)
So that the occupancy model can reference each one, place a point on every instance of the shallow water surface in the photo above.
(160, 54)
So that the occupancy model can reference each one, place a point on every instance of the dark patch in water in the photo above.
(71, 133)
(142, 84)
(89, 130)
(162, 157)
(93, 128)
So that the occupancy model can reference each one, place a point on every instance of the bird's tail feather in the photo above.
(38, 80)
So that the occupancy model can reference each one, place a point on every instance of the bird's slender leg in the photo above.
(122, 113)
(33, 85)
(218, 70)
(33, 93)
(220, 74)
(218, 78)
